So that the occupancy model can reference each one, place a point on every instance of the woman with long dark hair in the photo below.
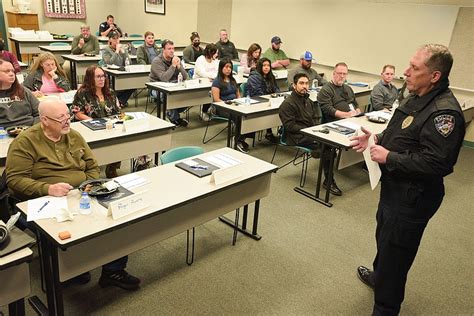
(225, 88)
(95, 100)
(18, 105)
(262, 81)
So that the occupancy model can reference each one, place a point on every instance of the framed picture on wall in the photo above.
(155, 6)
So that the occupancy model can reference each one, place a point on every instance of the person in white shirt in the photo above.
(207, 66)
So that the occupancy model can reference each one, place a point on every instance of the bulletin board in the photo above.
(65, 9)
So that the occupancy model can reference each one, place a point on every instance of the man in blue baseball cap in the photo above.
(306, 60)
(277, 56)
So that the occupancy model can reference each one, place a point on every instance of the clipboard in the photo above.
(199, 169)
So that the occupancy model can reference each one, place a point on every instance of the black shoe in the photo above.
(79, 280)
(120, 279)
(366, 276)
(242, 148)
(181, 122)
(272, 138)
(333, 189)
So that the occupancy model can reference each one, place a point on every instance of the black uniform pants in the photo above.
(403, 213)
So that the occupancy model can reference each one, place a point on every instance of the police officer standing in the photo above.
(419, 147)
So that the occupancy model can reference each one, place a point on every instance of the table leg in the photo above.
(17, 49)
(252, 234)
(17, 308)
(73, 74)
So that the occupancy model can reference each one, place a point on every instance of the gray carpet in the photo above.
(304, 264)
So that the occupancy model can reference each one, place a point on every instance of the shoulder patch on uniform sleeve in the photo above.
(444, 124)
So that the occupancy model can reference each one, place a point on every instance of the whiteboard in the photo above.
(365, 35)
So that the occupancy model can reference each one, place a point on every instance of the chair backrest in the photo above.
(134, 35)
(180, 153)
(138, 43)
(368, 107)
(58, 44)
(243, 89)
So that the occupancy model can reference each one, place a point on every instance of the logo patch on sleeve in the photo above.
(444, 124)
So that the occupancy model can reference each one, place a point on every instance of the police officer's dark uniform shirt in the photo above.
(334, 98)
(424, 136)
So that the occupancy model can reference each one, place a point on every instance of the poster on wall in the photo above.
(65, 9)
(155, 6)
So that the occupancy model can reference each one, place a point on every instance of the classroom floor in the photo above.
(305, 263)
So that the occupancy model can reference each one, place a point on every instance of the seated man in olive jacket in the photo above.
(50, 158)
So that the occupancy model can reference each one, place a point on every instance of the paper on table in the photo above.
(222, 160)
(372, 166)
(37, 211)
(131, 180)
(137, 115)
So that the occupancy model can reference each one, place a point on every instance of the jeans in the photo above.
(173, 115)
(116, 265)
(124, 95)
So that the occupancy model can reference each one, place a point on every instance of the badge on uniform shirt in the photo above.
(407, 121)
(444, 124)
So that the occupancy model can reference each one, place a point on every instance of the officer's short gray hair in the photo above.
(440, 59)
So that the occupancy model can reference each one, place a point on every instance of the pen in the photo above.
(199, 167)
(44, 205)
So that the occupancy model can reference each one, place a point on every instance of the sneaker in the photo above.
(366, 276)
(205, 117)
(246, 146)
(80, 279)
(241, 147)
(272, 138)
(120, 279)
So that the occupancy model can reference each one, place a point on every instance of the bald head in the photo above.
(55, 118)
(52, 107)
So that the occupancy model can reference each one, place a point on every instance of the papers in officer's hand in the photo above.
(131, 180)
(45, 207)
(222, 160)
(372, 166)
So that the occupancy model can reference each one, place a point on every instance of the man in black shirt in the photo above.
(417, 150)
(109, 26)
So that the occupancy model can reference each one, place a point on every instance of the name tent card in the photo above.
(221, 176)
(128, 205)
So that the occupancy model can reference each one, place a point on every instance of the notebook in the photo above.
(197, 167)
(105, 200)
(95, 124)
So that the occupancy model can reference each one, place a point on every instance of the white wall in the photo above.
(364, 34)
(179, 21)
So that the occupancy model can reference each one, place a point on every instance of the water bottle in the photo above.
(3, 135)
(247, 100)
(315, 84)
(127, 64)
(180, 78)
(85, 204)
